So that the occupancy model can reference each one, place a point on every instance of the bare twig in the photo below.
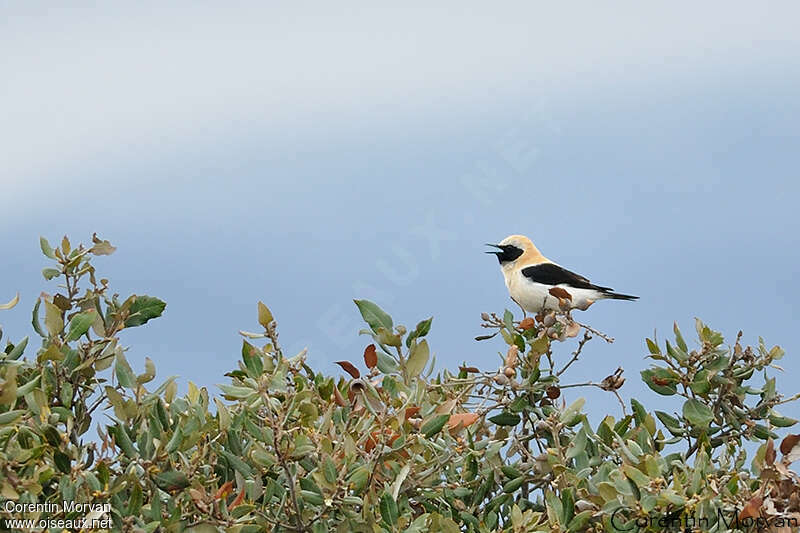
(586, 337)
(598, 333)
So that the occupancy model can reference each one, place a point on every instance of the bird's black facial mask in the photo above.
(508, 252)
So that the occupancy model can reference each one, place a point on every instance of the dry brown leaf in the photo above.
(789, 442)
(338, 396)
(769, 454)
(553, 392)
(461, 420)
(349, 368)
(752, 509)
(411, 411)
(370, 357)
(527, 323)
(239, 499)
(572, 329)
(511, 356)
(224, 490)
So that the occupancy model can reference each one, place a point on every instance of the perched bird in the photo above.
(535, 283)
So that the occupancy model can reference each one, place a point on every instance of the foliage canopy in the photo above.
(393, 445)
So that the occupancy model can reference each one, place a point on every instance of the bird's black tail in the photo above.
(618, 296)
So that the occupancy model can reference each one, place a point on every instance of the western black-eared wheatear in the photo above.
(535, 283)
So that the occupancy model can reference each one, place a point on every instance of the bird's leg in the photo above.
(524, 313)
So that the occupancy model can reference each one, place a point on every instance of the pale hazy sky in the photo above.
(309, 154)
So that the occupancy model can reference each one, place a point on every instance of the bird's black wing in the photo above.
(551, 274)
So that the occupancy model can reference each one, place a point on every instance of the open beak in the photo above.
(495, 246)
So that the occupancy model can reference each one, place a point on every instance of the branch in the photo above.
(586, 337)
(598, 333)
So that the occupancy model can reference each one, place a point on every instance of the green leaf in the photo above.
(679, 338)
(329, 470)
(52, 353)
(421, 330)
(28, 387)
(434, 425)
(653, 347)
(50, 273)
(781, 421)
(47, 250)
(508, 320)
(505, 419)
(53, 320)
(418, 358)
(252, 359)
(514, 484)
(672, 424)
(123, 372)
(386, 364)
(701, 384)
(9, 417)
(373, 315)
(676, 353)
(16, 352)
(8, 388)
(577, 445)
(101, 247)
(388, 338)
(639, 412)
(697, 413)
(149, 372)
(388, 508)
(265, 317)
(580, 521)
(80, 324)
(143, 309)
(175, 441)
(238, 465)
(572, 411)
(62, 461)
(236, 393)
(37, 327)
(123, 440)
(172, 480)
(661, 380)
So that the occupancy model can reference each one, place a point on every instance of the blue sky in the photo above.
(309, 155)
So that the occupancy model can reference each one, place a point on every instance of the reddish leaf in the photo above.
(239, 499)
(411, 411)
(389, 437)
(769, 454)
(349, 368)
(461, 420)
(789, 442)
(469, 369)
(527, 323)
(338, 397)
(560, 293)
(224, 490)
(752, 509)
(370, 357)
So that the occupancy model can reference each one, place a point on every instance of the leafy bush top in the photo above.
(392, 445)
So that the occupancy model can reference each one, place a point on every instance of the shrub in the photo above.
(390, 445)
